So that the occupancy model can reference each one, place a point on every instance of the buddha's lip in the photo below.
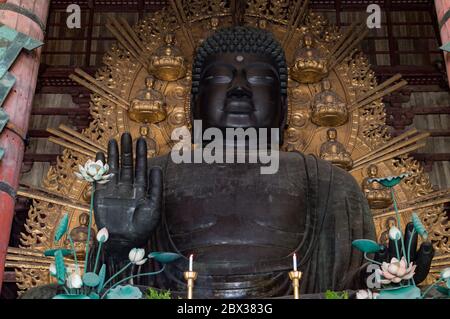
(242, 106)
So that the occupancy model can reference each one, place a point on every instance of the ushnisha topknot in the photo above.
(240, 39)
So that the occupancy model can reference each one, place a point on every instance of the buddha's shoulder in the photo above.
(321, 167)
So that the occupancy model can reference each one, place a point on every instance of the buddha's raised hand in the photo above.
(129, 206)
(421, 257)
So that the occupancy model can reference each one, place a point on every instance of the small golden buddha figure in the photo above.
(79, 236)
(152, 146)
(328, 109)
(335, 152)
(377, 195)
(310, 65)
(214, 24)
(262, 24)
(168, 63)
(148, 106)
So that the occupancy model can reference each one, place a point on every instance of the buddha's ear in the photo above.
(283, 117)
(284, 112)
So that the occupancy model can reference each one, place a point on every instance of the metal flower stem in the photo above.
(91, 209)
(98, 256)
(131, 277)
(72, 245)
(431, 287)
(396, 249)
(409, 245)
(117, 274)
(371, 260)
(397, 214)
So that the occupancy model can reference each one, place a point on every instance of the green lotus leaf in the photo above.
(366, 246)
(60, 267)
(124, 292)
(389, 181)
(407, 292)
(62, 227)
(52, 252)
(164, 257)
(71, 297)
(91, 279)
(443, 290)
(94, 295)
(101, 277)
(418, 226)
(448, 283)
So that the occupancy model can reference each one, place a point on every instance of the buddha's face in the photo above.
(372, 170)
(239, 90)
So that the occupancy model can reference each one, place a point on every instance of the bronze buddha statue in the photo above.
(242, 226)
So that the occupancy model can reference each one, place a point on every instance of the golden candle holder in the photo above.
(295, 276)
(191, 277)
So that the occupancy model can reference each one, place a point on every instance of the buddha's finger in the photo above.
(411, 241)
(156, 187)
(126, 159)
(141, 163)
(423, 261)
(395, 249)
(113, 160)
(382, 255)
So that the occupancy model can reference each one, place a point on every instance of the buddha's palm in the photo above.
(421, 257)
(129, 206)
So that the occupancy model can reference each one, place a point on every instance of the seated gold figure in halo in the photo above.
(310, 65)
(152, 146)
(168, 63)
(335, 152)
(148, 106)
(377, 195)
(328, 109)
(79, 236)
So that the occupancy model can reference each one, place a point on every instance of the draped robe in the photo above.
(244, 250)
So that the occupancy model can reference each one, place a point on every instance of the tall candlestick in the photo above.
(295, 276)
(191, 263)
(294, 261)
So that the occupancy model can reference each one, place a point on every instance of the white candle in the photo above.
(294, 260)
(191, 263)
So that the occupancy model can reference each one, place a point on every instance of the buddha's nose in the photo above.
(240, 88)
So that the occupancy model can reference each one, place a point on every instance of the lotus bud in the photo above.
(136, 255)
(395, 233)
(103, 235)
(74, 281)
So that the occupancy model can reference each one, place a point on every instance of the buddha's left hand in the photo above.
(421, 258)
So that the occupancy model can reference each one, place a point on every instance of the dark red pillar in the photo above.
(27, 17)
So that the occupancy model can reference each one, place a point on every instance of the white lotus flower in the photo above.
(136, 256)
(396, 271)
(94, 172)
(74, 281)
(103, 235)
(366, 294)
(445, 274)
(395, 233)
(52, 269)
